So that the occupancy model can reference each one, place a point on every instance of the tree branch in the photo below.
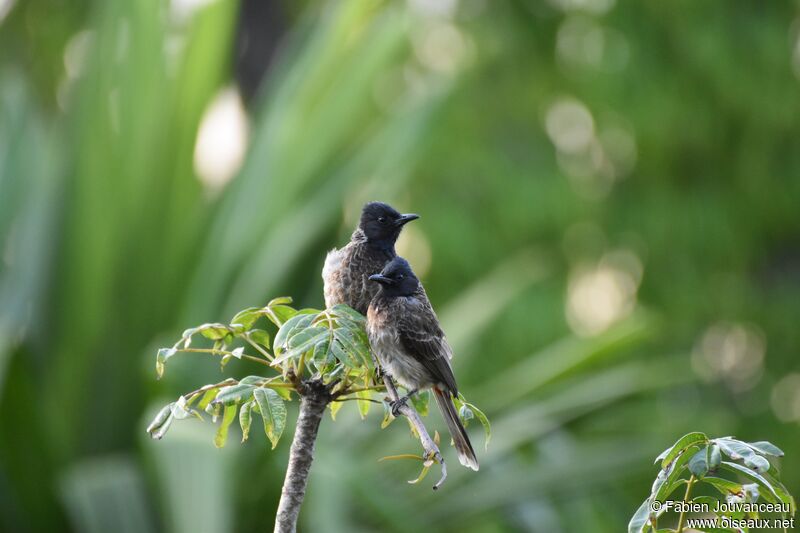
(430, 447)
(314, 396)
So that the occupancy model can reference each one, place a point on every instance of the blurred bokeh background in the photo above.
(610, 201)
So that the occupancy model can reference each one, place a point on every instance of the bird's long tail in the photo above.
(466, 455)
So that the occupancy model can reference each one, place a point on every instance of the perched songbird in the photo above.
(410, 345)
(346, 271)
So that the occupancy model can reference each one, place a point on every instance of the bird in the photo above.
(346, 270)
(406, 337)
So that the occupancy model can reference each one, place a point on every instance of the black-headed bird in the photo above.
(410, 345)
(347, 270)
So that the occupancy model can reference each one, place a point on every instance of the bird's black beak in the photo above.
(405, 219)
(380, 278)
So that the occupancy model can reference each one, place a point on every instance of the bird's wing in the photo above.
(421, 336)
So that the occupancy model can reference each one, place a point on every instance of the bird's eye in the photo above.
(401, 276)
(381, 219)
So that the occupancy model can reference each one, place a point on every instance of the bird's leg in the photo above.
(397, 404)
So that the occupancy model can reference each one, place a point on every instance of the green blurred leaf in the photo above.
(388, 418)
(161, 359)
(259, 336)
(714, 457)
(699, 463)
(769, 495)
(293, 324)
(227, 418)
(247, 317)
(245, 418)
(465, 414)
(669, 478)
(640, 521)
(251, 380)
(234, 394)
(208, 397)
(682, 443)
(724, 486)
(736, 449)
(343, 355)
(766, 448)
(280, 314)
(273, 411)
(334, 408)
(484, 420)
(161, 422)
(421, 401)
(363, 402)
(347, 312)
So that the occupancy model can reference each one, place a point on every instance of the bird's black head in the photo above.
(382, 224)
(397, 278)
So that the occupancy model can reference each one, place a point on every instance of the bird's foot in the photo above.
(397, 405)
(400, 402)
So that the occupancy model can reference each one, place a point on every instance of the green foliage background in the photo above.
(679, 194)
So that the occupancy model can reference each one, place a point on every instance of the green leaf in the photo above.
(335, 407)
(273, 411)
(222, 433)
(303, 340)
(484, 420)
(355, 343)
(421, 402)
(363, 403)
(784, 496)
(252, 380)
(424, 472)
(640, 521)
(245, 418)
(322, 354)
(343, 355)
(208, 397)
(283, 392)
(669, 478)
(214, 409)
(387, 415)
(301, 343)
(714, 457)
(465, 414)
(724, 486)
(259, 336)
(279, 343)
(280, 300)
(234, 393)
(214, 332)
(708, 500)
(698, 464)
(736, 449)
(280, 314)
(161, 422)
(180, 410)
(766, 448)
(770, 495)
(347, 312)
(247, 317)
(683, 443)
(161, 359)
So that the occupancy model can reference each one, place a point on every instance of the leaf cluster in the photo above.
(696, 459)
(327, 345)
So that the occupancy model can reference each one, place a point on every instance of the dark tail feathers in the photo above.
(466, 455)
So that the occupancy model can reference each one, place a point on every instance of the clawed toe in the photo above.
(397, 405)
